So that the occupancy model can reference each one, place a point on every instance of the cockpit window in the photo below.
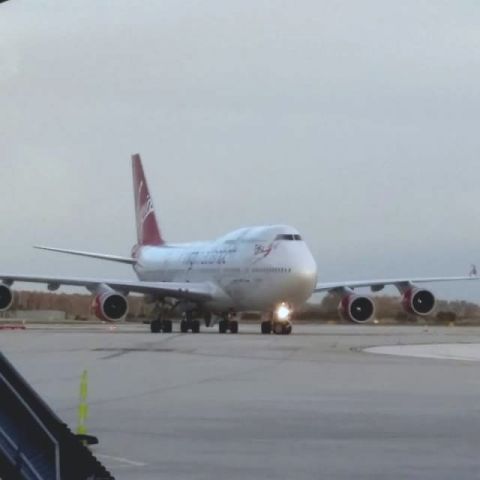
(287, 236)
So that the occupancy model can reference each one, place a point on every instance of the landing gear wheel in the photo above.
(195, 326)
(184, 326)
(233, 326)
(167, 326)
(266, 327)
(287, 329)
(222, 326)
(282, 328)
(156, 326)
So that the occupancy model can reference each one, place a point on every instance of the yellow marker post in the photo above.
(83, 405)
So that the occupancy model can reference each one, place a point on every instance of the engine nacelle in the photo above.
(110, 306)
(418, 301)
(6, 297)
(356, 308)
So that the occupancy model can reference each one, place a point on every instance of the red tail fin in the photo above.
(148, 232)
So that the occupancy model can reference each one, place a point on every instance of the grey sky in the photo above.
(357, 122)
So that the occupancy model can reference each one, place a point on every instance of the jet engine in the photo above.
(110, 306)
(418, 301)
(356, 308)
(6, 297)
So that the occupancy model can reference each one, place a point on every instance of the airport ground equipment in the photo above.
(35, 444)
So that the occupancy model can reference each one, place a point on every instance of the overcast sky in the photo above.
(356, 122)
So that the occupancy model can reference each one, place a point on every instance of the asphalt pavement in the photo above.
(312, 405)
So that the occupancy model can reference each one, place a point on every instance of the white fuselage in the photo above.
(251, 269)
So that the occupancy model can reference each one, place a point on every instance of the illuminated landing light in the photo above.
(283, 312)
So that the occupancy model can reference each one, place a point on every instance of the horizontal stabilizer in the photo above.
(111, 258)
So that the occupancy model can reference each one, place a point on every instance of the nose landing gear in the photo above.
(282, 328)
(278, 321)
(279, 328)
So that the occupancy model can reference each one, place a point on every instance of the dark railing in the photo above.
(34, 443)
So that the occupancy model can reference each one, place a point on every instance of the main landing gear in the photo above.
(228, 323)
(161, 321)
(189, 323)
(161, 325)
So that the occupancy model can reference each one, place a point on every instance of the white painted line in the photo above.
(469, 352)
(122, 460)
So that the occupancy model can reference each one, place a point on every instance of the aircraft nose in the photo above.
(305, 273)
(308, 273)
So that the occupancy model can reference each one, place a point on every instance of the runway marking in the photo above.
(131, 463)
(469, 352)
(118, 352)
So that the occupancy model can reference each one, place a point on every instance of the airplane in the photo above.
(267, 269)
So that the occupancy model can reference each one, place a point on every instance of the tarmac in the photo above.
(327, 402)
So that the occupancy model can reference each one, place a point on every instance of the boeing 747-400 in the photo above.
(267, 269)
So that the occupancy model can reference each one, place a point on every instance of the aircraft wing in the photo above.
(81, 253)
(377, 285)
(182, 290)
